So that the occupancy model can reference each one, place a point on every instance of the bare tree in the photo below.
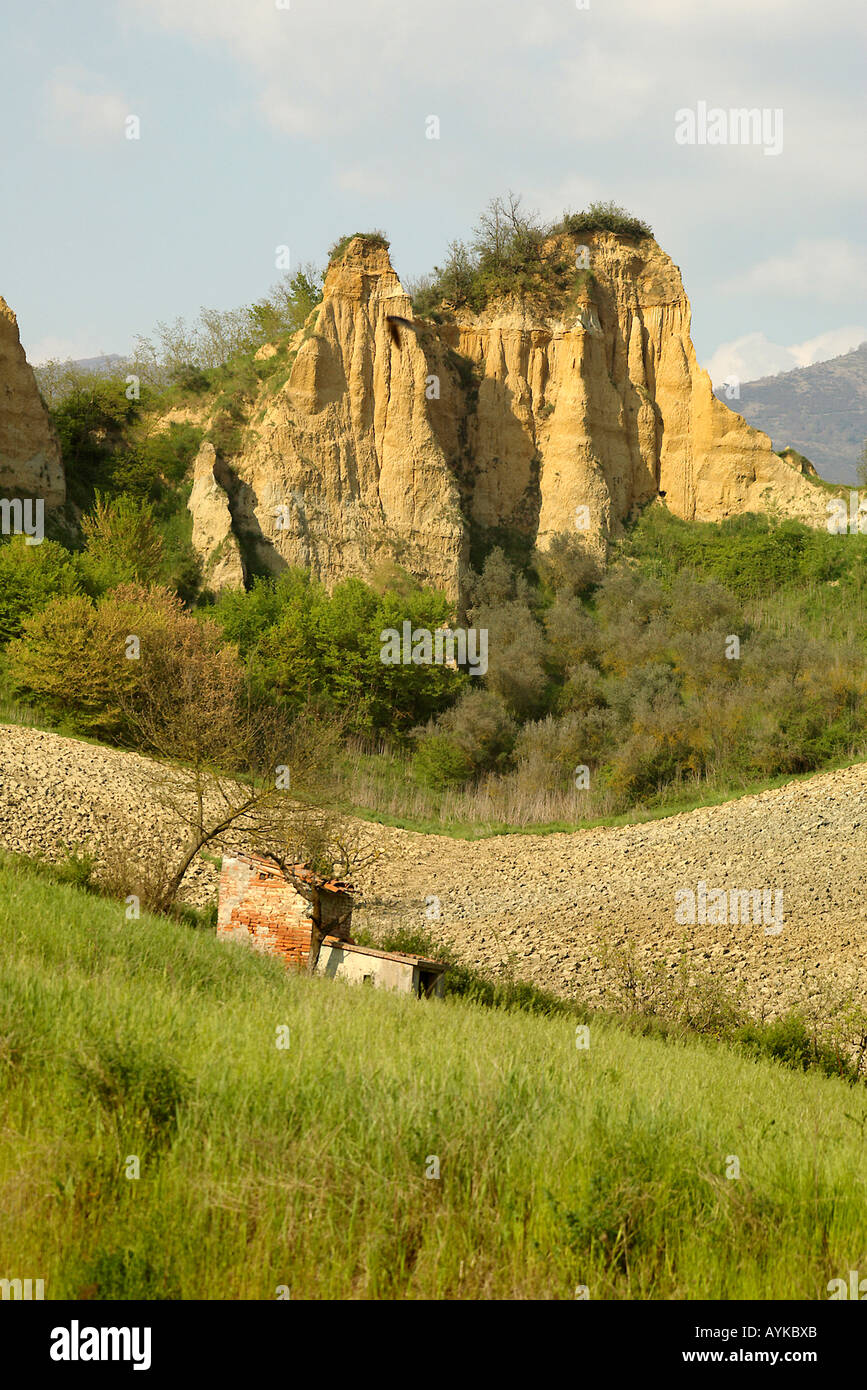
(318, 851)
(505, 233)
(221, 761)
(224, 763)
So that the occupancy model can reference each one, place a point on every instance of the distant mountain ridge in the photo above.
(819, 410)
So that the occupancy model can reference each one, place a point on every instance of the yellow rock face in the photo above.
(346, 471)
(391, 442)
(30, 461)
(610, 403)
(212, 535)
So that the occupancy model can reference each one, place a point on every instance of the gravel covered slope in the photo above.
(547, 901)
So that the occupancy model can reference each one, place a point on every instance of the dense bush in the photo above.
(30, 576)
(568, 566)
(76, 657)
(603, 217)
(512, 252)
(156, 463)
(476, 734)
(750, 555)
(122, 544)
(304, 644)
(337, 251)
(91, 423)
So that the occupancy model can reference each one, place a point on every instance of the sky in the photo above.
(270, 123)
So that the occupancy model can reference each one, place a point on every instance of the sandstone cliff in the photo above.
(394, 443)
(30, 461)
(342, 470)
(212, 535)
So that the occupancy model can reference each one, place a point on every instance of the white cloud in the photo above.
(55, 349)
(754, 355)
(81, 110)
(366, 179)
(830, 344)
(824, 269)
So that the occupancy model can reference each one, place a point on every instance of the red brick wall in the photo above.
(257, 900)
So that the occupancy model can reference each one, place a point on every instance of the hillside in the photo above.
(548, 907)
(820, 410)
(157, 1144)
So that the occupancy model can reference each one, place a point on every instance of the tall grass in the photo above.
(380, 785)
(303, 1167)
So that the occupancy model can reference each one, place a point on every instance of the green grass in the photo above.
(304, 1167)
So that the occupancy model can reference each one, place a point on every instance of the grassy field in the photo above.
(304, 1166)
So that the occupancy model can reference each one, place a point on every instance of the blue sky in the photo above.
(263, 126)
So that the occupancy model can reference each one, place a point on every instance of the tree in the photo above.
(30, 576)
(220, 756)
(122, 544)
(568, 565)
(90, 423)
(223, 764)
(329, 647)
(315, 848)
(82, 659)
(506, 237)
(286, 307)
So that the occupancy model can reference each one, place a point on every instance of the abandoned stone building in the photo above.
(260, 905)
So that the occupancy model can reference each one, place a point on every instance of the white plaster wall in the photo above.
(352, 965)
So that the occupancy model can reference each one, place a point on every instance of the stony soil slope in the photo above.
(548, 901)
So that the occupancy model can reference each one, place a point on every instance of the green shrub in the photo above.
(789, 1041)
(74, 656)
(440, 761)
(31, 575)
(513, 253)
(567, 565)
(476, 734)
(327, 648)
(122, 544)
(603, 217)
(226, 435)
(91, 423)
(77, 869)
(337, 251)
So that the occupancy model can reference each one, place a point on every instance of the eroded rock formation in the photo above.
(30, 461)
(213, 536)
(391, 442)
